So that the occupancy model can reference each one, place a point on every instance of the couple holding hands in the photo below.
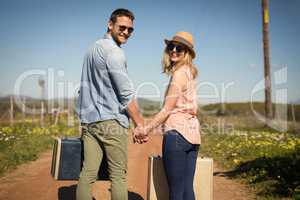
(107, 101)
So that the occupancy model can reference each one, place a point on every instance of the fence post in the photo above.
(33, 114)
(11, 111)
(24, 110)
(70, 113)
(42, 114)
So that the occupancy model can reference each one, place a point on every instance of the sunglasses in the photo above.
(122, 28)
(178, 48)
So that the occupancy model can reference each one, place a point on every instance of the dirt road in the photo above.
(32, 181)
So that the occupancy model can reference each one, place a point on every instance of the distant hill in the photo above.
(7, 98)
(150, 107)
(146, 102)
(247, 109)
(296, 102)
(33, 102)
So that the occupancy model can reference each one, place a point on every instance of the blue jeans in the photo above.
(179, 158)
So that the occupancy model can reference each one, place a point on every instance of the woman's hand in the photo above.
(140, 135)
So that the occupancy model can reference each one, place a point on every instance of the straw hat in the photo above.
(184, 38)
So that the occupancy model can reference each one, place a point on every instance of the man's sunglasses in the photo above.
(123, 28)
(178, 48)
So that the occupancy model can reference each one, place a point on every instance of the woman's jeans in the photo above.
(179, 158)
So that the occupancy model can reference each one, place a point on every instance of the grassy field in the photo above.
(24, 141)
(267, 159)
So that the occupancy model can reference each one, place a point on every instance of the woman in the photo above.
(181, 139)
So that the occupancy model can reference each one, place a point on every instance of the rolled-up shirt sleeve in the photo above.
(117, 70)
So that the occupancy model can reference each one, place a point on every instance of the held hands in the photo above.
(140, 135)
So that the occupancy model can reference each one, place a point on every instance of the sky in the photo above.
(48, 38)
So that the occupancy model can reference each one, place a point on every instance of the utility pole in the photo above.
(268, 99)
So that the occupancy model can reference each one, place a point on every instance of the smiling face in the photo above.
(121, 30)
(176, 51)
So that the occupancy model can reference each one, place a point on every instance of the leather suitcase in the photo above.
(158, 186)
(67, 158)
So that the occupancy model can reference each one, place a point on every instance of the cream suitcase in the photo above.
(157, 183)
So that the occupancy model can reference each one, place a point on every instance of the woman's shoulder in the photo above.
(181, 69)
(180, 72)
(181, 77)
(184, 70)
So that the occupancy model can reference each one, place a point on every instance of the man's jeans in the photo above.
(107, 137)
(179, 158)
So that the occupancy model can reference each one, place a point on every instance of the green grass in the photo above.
(23, 142)
(268, 161)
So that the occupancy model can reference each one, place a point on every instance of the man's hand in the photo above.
(140, 135)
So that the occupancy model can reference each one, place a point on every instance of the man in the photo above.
(106, 101)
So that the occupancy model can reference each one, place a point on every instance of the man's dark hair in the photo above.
(119, 13)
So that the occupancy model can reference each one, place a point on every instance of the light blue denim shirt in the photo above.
(105, 88)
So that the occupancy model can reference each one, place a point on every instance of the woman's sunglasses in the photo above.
(123, 28)
(178, 48)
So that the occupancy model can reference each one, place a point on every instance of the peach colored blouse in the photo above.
(183, 117)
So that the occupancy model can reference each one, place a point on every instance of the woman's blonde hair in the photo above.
(169, 67)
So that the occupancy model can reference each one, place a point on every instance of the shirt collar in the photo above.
(108, 36)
